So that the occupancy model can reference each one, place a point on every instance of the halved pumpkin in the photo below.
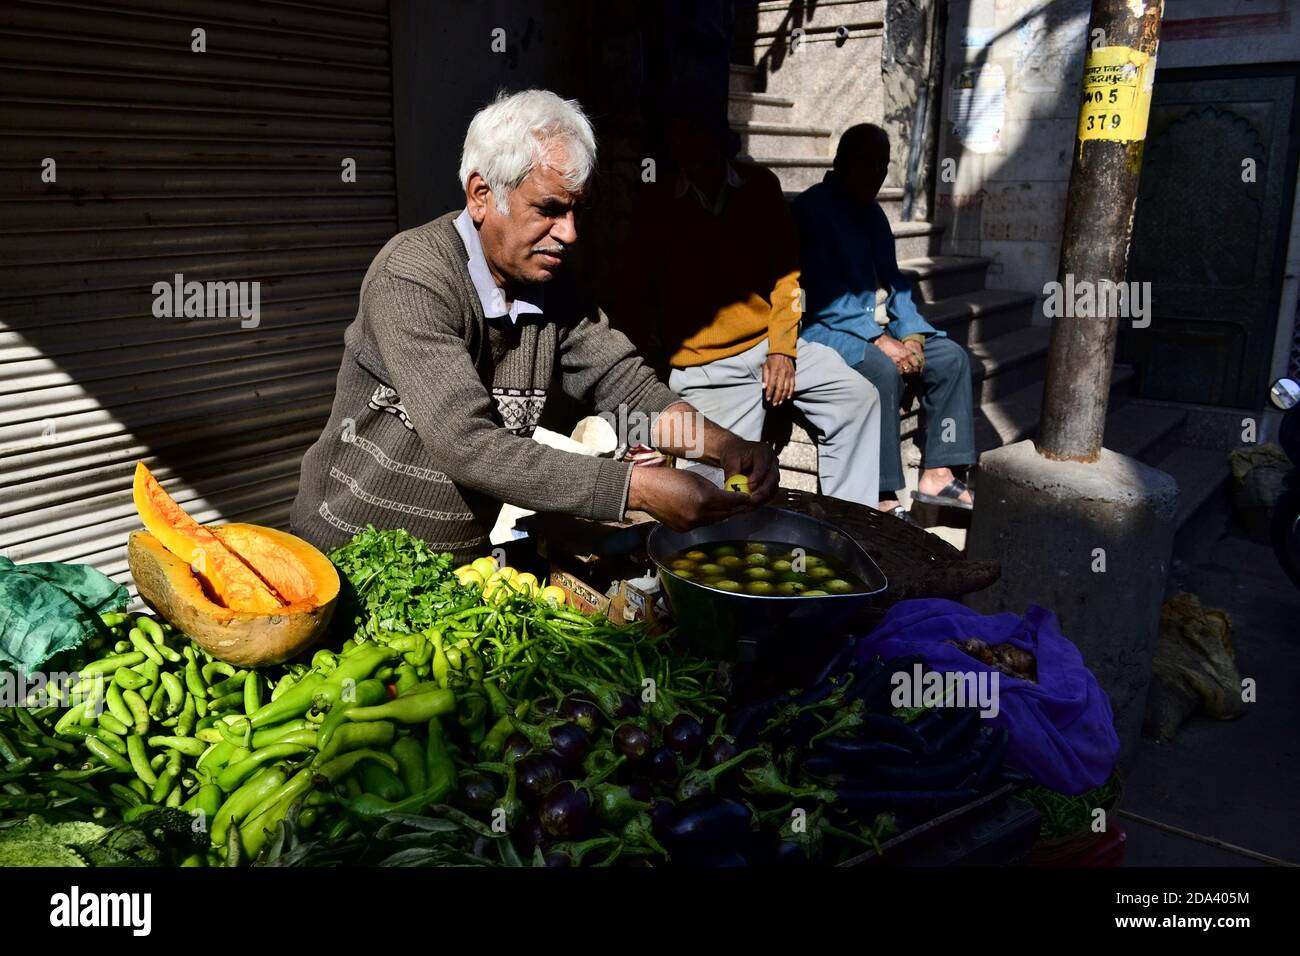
(293, 567)
(230, 580)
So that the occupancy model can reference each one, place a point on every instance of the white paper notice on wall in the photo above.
(977, 107)
(977, 38)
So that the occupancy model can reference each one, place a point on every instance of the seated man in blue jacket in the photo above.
(847, 253)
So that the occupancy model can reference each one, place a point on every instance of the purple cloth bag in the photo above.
(1062, 730)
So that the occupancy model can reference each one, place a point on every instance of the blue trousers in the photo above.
(945, 393)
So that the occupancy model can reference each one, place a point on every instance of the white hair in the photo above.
(507, 138)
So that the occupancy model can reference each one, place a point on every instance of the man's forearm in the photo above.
(683, 431)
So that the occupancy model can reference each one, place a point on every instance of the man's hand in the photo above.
(757, 462)
(778, 379)
(904, 359)
(682, 499)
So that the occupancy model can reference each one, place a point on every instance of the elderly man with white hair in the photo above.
(463, 324)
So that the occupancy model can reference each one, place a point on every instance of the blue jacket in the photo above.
(846, 253)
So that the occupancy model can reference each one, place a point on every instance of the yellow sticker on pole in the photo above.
(1117, 83)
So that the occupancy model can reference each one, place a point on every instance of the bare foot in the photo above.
(934, 480)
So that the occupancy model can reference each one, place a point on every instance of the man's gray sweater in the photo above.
(435, 405)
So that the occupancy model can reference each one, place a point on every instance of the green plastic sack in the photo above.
(48, 607)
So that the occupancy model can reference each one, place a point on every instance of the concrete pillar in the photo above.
(1054, 526)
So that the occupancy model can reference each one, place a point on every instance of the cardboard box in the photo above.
(578, 593)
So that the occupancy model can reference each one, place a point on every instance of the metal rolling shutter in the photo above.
(223, 166)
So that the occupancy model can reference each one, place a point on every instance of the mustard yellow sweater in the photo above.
(696, 287)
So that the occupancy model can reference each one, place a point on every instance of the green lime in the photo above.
(780, 565)
(813, 561)
(710, 570)
(820, 573)
(759, 587)
(696, 556)
(815, 592)
(755, 547)
(790, 588)
(684, 573)
(731, 561)
(682, 564)
(726, 584)
(758, 574)
(838, 586)
(756, 559)
(725, 550)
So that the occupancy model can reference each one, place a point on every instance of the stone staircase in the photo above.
(997, 326)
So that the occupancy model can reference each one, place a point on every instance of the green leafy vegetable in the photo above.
(394, 582)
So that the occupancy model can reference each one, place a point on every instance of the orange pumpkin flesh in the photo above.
(229, 579)
(244, 593)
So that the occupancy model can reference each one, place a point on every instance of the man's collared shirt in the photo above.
(530, 300)
(731, 181)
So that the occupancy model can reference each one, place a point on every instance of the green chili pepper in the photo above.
(112, 619)
(185, 722)
(366, 694)
(189, 746)
(107, 665)
(229, 685)
(235, 774)
(125, 795)
(140, 760)
(139, 710)
(247, 797)
(193, 679)
(175, 692)
(356, 736)
(407, 677)
(441, 666)
(252, 694)
(497, 701)
(381, 782)
(111, 723)
(239, 731)
(273, 735)
(162, 787)
(415, 708)
(127, 679)
(143, 645)
(107, 755)
(232, 701)
(410, 763)
(440, 773)
(352, 668)
(116, 741)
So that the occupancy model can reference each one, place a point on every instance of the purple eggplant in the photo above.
(478, 794)
(719, 750)
(633, 742)
(705, 825)
(537, 774)
(685, 735)
(566, 813)
(516, 746)
(663, 765)
(583, 713)
(530, 834)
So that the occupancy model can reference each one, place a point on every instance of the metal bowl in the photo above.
(725, 625)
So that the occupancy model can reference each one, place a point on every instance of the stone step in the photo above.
(978, 317)
(1016, 417)
(915, 239)
(742, 79)
(796, 174)
(1008, 363)
(935, 278)
(1203, 498)
(775, 16)
(758, 108)
(783, 140)
(1148, 433)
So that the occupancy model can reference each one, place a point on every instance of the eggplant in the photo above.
(661, 811)
(612, 701)
(640, 790)
(927, 776)
(685, 735)
(478, 794)
(537, 774)
(706, 824)
(583, 713)
(530, 834)
(956, 731)
(837, 663)
(876, 690)
(888, 729)
(570, 743)
(566, 812)
(516, 746)
(719, 750)
(725, 859)
(855, 753)
(992, 758)
(745, 723)
(633, 742)
(663, 765)
(865, 801)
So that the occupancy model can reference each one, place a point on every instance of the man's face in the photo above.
(864, 173)
(531, 244)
